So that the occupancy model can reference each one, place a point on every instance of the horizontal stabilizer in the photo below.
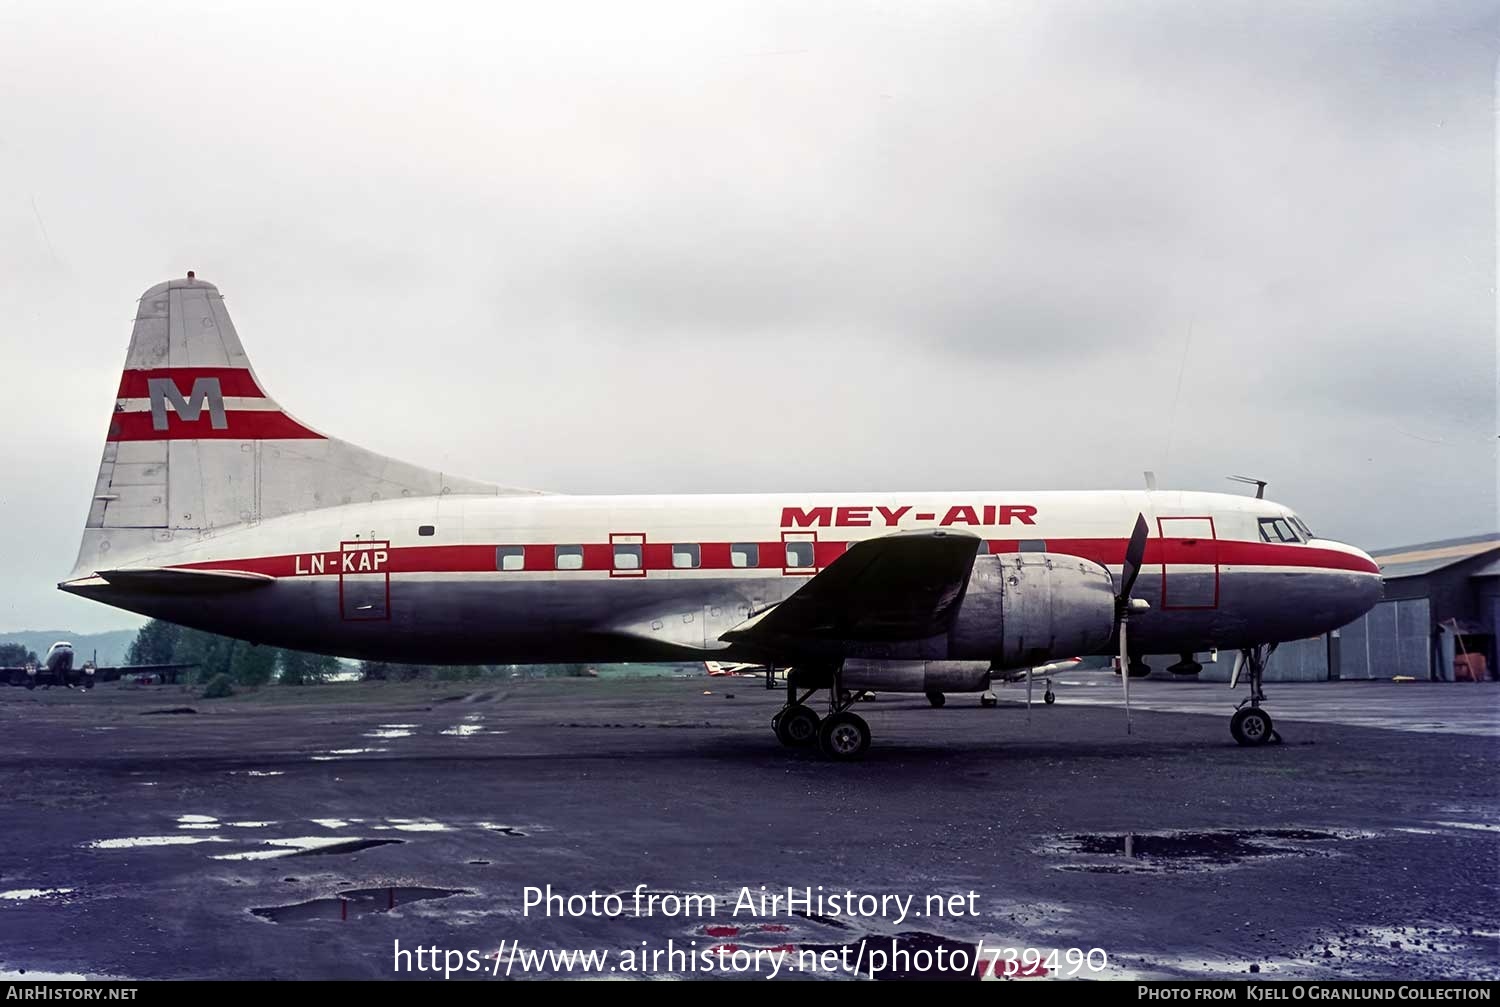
(165, 580)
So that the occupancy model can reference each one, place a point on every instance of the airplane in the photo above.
(216, 509)
(56, 668)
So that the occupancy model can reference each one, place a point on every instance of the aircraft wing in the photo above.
(906, 586)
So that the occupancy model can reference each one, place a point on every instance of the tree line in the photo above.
(160, 642)
(241, 663)
(16, 655)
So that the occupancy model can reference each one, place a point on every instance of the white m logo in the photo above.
(205, 391)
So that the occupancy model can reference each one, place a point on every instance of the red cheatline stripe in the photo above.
(232, 380)
(240, 425)
(716, 556)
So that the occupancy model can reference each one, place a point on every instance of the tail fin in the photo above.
(196, 444)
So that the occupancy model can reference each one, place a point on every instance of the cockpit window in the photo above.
(1303, 528)
(1276, 529)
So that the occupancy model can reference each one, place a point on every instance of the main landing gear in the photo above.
(1251, 725)
(841, 735)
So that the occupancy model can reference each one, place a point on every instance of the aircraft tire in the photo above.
(1251, 726)
(797, 726)
(1050, 697)
(936, 698)
(989, 702)
(844, 737)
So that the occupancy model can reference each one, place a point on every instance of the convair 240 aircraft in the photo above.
(216, 509)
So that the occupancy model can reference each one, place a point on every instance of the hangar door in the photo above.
(1393, 638)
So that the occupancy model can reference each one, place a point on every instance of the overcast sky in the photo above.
(667, 247)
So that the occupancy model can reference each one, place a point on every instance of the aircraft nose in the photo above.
(1363, 586)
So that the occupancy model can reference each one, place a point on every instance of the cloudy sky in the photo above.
(666, 247)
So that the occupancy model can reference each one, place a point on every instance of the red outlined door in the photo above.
(365, 580)
(1189, 562)
(799, 553)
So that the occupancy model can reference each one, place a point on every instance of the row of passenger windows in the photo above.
(626, 556)
(630, 556)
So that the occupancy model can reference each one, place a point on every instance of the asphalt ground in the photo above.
(252, 838)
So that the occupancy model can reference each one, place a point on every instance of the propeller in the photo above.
(1028, 694)
(1135, 552)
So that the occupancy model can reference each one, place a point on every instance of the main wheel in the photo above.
(989, 700)
(1050, 697)
(1251, 725)
(936, 698)
(1139, 669)
(844, 737)
(796, 726)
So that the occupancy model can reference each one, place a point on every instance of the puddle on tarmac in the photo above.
(1115, 853)
(334, 754)
(504, 830)
(357, 902)
(130, 842)
(391, 731)
(307, 846)
(22, 894)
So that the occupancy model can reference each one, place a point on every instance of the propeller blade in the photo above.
(1135, 552)
(1028, 695)
(1125, 673)
(1239, 665)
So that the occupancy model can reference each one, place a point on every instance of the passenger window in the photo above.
(627, 556)
(426, 530)
(744, 554)
(510, 557)
(569, 557)
(685, 557)
(799, 555)
(1032, 545)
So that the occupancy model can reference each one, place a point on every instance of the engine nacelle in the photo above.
(916, 676)
(1024, 609)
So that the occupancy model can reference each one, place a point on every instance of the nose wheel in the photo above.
(1251, 725)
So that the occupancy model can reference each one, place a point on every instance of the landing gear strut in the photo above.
(841, 736)
(1251, 725)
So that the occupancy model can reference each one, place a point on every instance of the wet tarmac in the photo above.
(302, 833)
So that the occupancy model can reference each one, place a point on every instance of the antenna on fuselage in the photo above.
(1150, 480)
(1259, 484)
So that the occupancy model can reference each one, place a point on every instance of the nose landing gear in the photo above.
(1251, 725)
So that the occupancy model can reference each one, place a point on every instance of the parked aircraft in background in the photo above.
(216, 509)
(57, 668)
